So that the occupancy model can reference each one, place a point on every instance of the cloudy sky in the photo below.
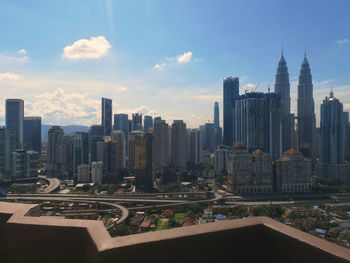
(164, 58)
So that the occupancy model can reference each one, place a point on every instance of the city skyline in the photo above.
(63, 82)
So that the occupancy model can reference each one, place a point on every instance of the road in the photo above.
(54, 183)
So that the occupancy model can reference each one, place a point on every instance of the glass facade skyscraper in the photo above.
(106, 116)
(32, 133)
(147, 123)
(231, 92)
(14, 118)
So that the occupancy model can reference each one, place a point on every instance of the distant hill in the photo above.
(70, 129)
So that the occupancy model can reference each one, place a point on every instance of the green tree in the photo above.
(194, 208)
(119, 230)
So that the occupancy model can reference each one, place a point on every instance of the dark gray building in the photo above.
(121, 123)
(147, 123)
(32, 134)
(282, 87)
(306, 112)
(178, 148)
(332, 140)
(231, 92)
(257, 121)
(216, 114)
(136, 122)
(106, 116)
(14, 118)
(80, 150)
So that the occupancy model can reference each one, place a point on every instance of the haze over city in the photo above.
(62, 57)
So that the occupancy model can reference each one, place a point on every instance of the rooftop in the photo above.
(27, 237)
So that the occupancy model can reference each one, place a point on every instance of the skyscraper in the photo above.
(80, 150)
(7, 146)
(282, 87)
(178, 156)
(306, 112)
(118, 138)
(216, 114)
(332, 140)
(161, 144)
(258, 122)
(195, 146)
(32, 133)
(14, 118)
(136, 122)
(106, 116)
(147, 123)
(231, 92)
(121, 123)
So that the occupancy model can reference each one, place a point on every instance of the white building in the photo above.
(96, 172)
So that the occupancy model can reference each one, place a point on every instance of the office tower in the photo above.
(178, 153)
(332, 141)
(32, 133)
(118, 138)
(306, 112)
(136, 122)
(293, 173)
(7, 146)
(147, 123)
(106, 116)
(258, 122)
(59, 154)
(157, 119)
(113, 158)
(195, 146)
(282, 87)
(221, 158)
(121, 123)
(249, 173)
(347, 136)
(210, 137)
(14, 118)
(216, 114)
(95, 135)
(161, 144)
(83, 173)
(231, 92)
(131, 156)
(96, 172)
(80, 150)
(25, 164)
(144, 156)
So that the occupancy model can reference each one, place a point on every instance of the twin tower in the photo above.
(296, 132)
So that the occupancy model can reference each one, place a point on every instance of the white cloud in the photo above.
(343, 41)
(121, 89)
(185, 57)
(159, 66)
(9, 76)
(93, 48)
(22, 51)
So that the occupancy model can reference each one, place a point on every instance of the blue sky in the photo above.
(164, 58)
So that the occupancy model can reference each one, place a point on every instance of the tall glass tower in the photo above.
(32, 133)
(231, 92)
(306, 112)
(106, 116)
(216, 114)
(14, 118)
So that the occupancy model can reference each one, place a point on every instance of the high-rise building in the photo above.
(96, 172)
(25, 163)
(121, 123)
(136, 122)
(347, 136)
(7, 146)
(161, 144)
(83, 173)
(118, 138)
(231, 92)
(282, 87)
(216, 114)
(144, 166)
(306, 112)
(221, 157)
(59, 154)
(80, 150)
(32, 134)
(147, 123)
(332, 141)
(257, 121)
(293, 173)
(106, 116)
(95, 135)
(132, 137)
(178, 152)
(195, 146)
(14, 118)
